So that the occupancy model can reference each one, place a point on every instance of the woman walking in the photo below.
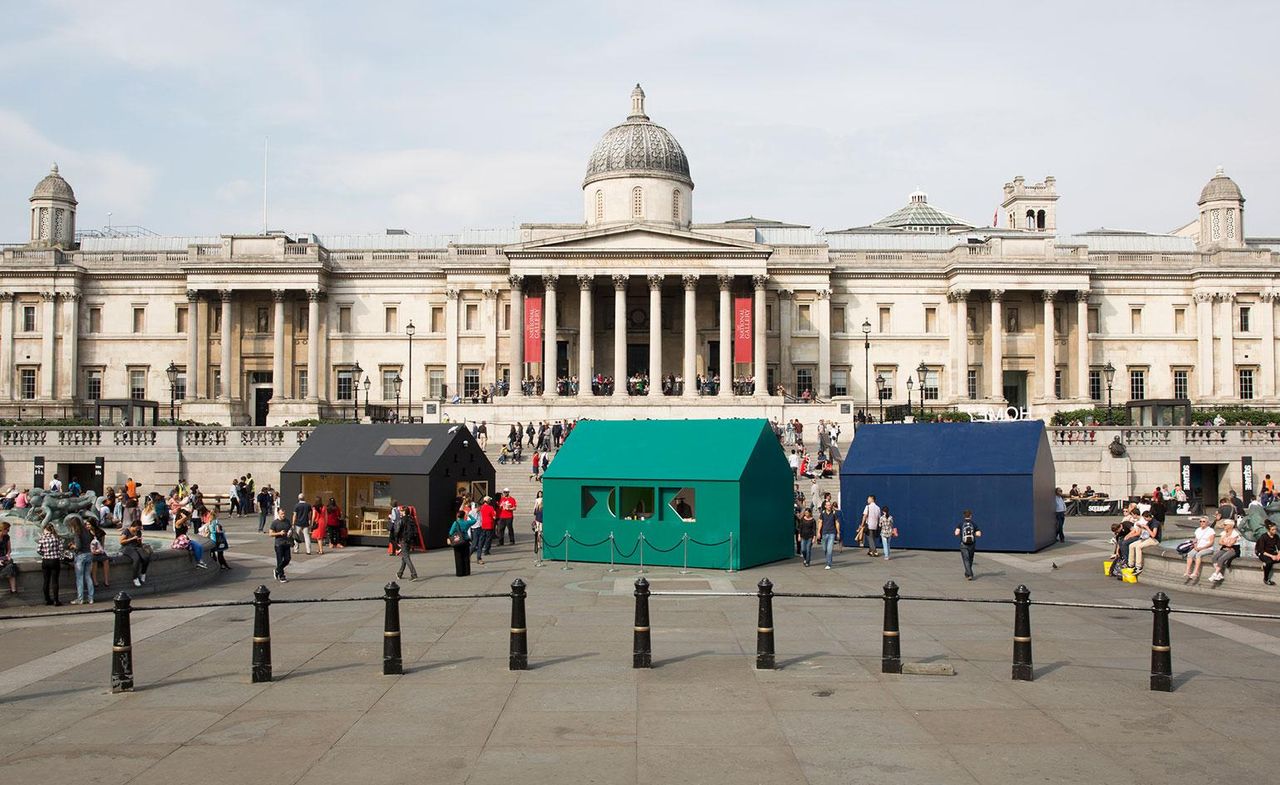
(333, 523)
(537, 523)
(406, 536)
(49, 548)
(887, 532)
(81, 544)
(459, 539)
(807, 532)
(217, 539)
(8, 569)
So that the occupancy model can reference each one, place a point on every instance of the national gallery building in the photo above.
(641, 301)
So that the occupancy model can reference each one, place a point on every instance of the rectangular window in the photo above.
(931, 319)
(470, 382)
(1181, 383)
(471, 317)
(636, 504)
(839, 381)
(1246, 384)
(435, 383)
(346, 385)
(139, 320)
(344, 318)
(1095, 320)
(93, 384)
(389, 383)
(95, 319)
(390, 319)
(138, 384)
(1137, 384)
(888, 373)
(27, 383)
(885, 317)
(930, 388)
(437, 319)
(1095, 385)
(837, 319)
(506, 316)
(28, 318)
(1135, 321)
(973, 384)
(804, 320)
(1179, 320)
(180, 386)
(303, 392)
(804, 381)
(262, 320)
(769, 324)
(180, 320)
(1244, 318)
(1057, 383)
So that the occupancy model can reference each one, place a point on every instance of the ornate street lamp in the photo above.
(396, 382)
(367, 385)
(172, 373)
(1109, 371)
(922, 373)
(880, 393)
(866, 365)
(910, 381)
(410, 330)
(356, 373)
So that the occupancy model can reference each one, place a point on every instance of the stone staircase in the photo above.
(516, 477)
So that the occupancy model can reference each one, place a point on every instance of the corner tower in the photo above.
(53, 212)
(1031, 207)
(1221, 212)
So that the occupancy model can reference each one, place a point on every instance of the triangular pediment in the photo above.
(636, 237)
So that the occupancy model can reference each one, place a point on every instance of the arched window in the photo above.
(599, 205)
(1040, 220)
(675, 206)
(637, 202)
(1031, 219)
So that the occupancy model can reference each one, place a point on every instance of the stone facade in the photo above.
(271, 329)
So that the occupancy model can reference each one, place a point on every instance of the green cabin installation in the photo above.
(647, 491)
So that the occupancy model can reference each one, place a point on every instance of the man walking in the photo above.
(487, 517)
(301, 523)
(968, 532)
(281, 533)
(405, 536)
(264, 507)
(829, 519)
(871, 525)
(1059, 513)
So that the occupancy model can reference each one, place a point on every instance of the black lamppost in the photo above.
(1109, 371)
(910, 382)
(367, 385)
(922, 372)
(356, 373)
(866, 365)
(396, 382)
(410, 330)
(172, 373)
(880, 393)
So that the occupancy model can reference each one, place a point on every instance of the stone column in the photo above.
(225, 294)
(71, 346)
(959, 299)
(586, 335)
(785, 377)
(451, 343)
(549, 336)
(1267, 363)
(1049, 365)
(726, 335)
(193, 344)
(517, 331)
(490, 320)
(995, 352)
(619, 334)
(758, 324)
(279, 380)
(50, 325)
(824, 343)
(1204, 344)
(1082, 344)
(6, 348)
(1227, 329)
(689, 368)
(655, 334)
(313, 344)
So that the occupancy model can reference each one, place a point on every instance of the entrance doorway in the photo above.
(1206, 483)
(1015, 388)
(82, 473)
(637, 359)
(261, 403)
(713, 358)
(562, 359)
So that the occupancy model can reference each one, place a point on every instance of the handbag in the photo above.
(1185, 547)
(456, 539)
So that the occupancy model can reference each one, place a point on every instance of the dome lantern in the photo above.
(53, 211)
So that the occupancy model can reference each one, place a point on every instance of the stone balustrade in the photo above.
(1167, 436)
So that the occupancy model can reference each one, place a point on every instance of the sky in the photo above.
(439, 117)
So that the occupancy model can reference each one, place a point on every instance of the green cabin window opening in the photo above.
(599, 501)
(680, 504)
(637, 503)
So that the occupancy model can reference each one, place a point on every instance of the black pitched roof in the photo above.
(354, 449)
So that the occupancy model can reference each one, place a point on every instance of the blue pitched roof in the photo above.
(1001, 448)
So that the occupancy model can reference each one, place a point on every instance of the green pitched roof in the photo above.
(658, 450)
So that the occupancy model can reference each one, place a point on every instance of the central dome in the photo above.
(638, 147)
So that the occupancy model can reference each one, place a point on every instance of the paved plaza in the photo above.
(581, 714)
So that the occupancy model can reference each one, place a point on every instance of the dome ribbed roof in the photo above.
(638, 147)
(1219, 188)
(919, 213)
(54, 187)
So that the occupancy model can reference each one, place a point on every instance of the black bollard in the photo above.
(1161, 654)
(1022, 668)
(392, 663)
(122, 647)
(261, 635)
(764, 627)
(642, 656)
(519, 660)
(891, 648)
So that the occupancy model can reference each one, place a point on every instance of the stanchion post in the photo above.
(519, 660)
(392, 663)
(730, 551)
(764, 627)
(1022, 667)
(611, 550)
(640, 548)
(642, 654)
(1161, 654)
(567, 537)
(891, 648)
(685, 538)
(122, 646)
(261, 635)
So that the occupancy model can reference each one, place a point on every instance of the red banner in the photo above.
(533, 329)
(741, 330)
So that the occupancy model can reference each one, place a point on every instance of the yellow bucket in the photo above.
(1106, 567)
(1127, 575)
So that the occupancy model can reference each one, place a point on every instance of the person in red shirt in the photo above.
(506, 517)
(487, 517)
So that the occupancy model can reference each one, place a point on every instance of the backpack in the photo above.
(966, 532)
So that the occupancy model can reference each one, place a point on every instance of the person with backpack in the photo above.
(968, 532)
(406, 536)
